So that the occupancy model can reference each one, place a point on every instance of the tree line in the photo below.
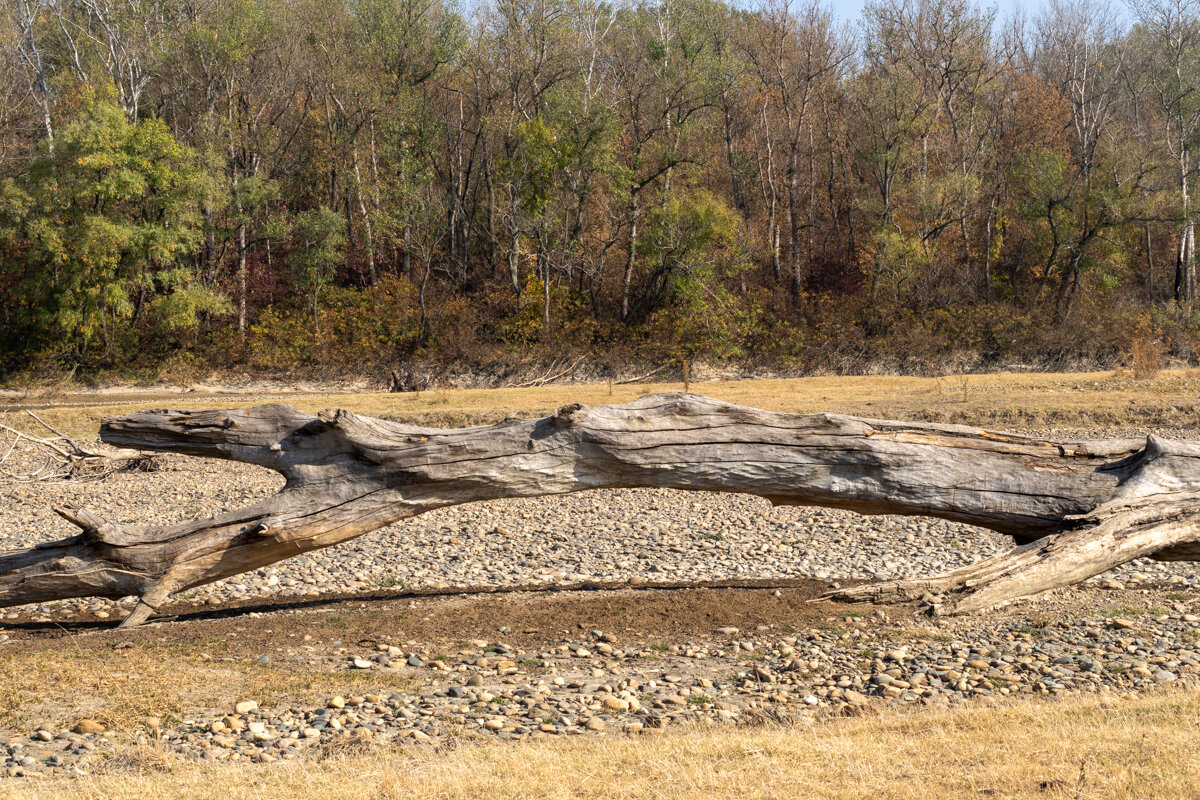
(307, 184)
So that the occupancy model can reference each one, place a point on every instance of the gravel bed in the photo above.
(595, 683)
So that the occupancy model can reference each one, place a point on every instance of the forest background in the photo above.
(324, 189)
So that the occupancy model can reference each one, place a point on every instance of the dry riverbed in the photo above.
(402, 670)
(598, 614)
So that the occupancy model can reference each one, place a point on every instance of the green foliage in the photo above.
(319, 239)
(94, 237)
(181, 310)
(544, 151)
(374, 326)
(692, 251)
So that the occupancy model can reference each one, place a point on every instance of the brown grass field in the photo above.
(1072, 400)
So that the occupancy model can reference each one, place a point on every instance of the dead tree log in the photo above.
(1076, 509)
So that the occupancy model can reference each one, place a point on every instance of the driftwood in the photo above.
(1075, 509)
(26, 457)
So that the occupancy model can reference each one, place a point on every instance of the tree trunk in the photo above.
(631, 260)
(1078, 509)
(406, 257)
(422, 300)
(1149, 263)
(368, 233)
(794, 221)
(1185, 256)
(987, 252)
(242, 247)
(210, 246)
(1185, 265)
(544, 274)
(514, 249)
(26, 26)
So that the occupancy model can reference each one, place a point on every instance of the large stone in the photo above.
(854, 697)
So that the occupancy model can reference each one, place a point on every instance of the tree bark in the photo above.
(1076, 509)
(27, 14)
(631, 260)
(242, 272)
(368, 233)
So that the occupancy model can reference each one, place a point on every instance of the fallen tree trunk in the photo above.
(1076, 509)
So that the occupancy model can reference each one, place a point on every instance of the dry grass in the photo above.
(1146, 356)
(1041, 399)
(122, 686)
(1075, 748)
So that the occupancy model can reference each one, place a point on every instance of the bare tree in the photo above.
(26, 15)
(1079, 50)
(121, 36)
(802, 53)
(1171, 52)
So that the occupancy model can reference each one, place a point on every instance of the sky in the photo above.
(850, 10)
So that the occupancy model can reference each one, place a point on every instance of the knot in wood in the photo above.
(566, 414)
(332, 417)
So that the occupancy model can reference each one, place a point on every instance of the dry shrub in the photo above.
(146, 462)
(1146, 355)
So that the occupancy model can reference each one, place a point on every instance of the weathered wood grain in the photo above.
(1076, 508)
